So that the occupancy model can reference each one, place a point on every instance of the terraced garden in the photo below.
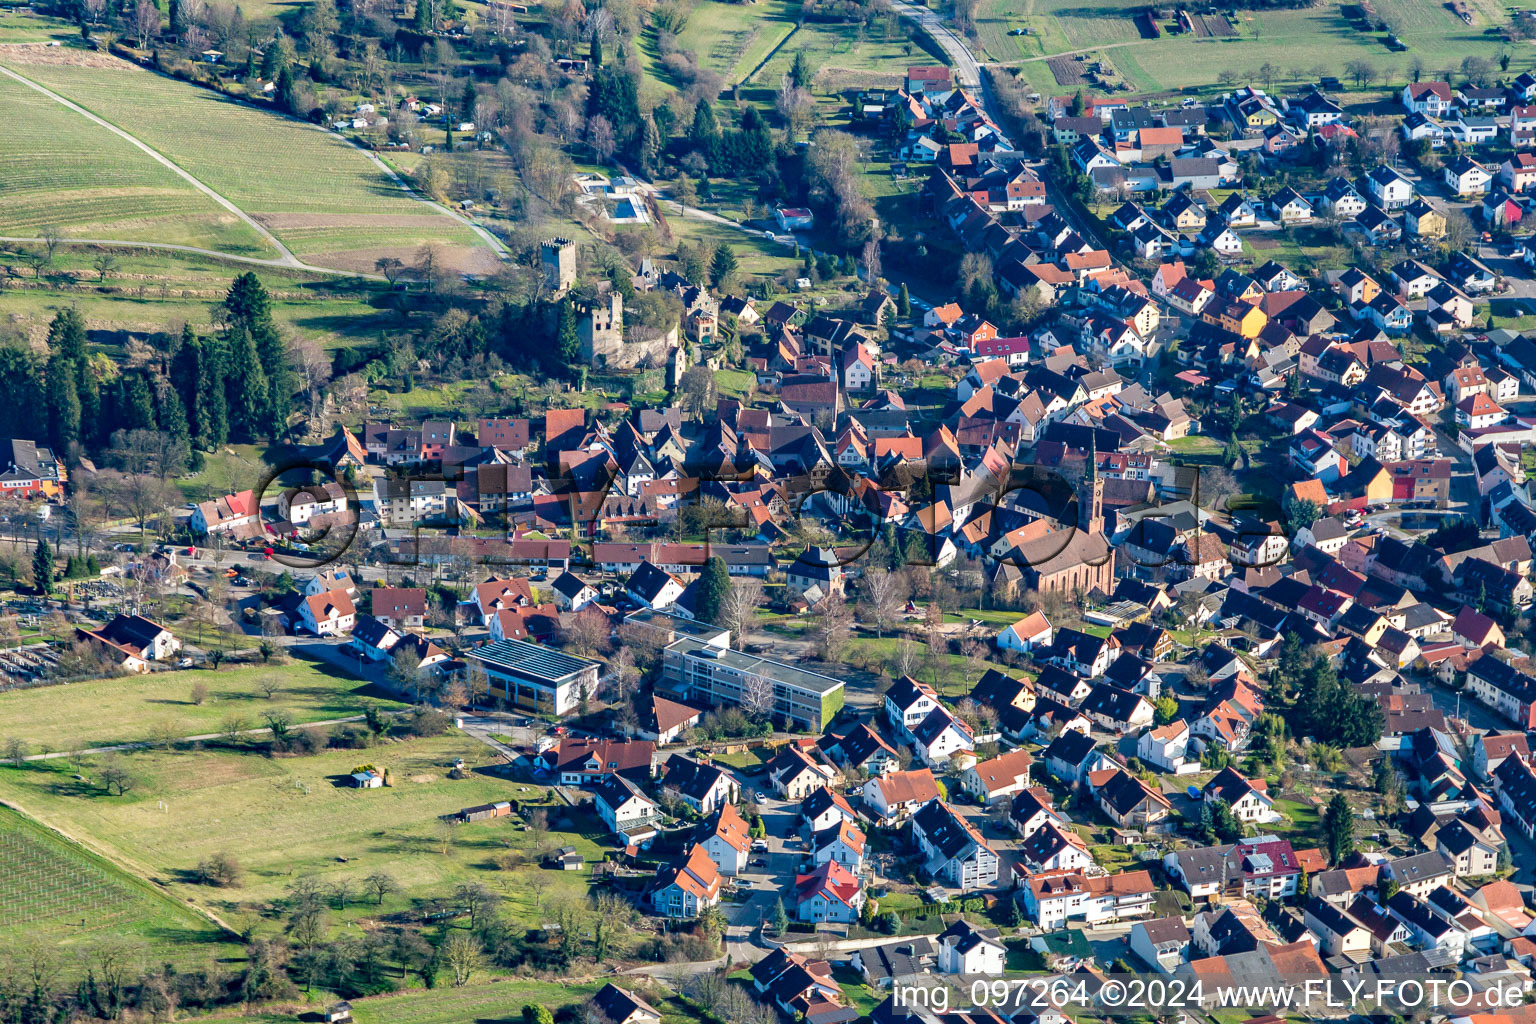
(54, 892)
(325, 199)
(60, 169)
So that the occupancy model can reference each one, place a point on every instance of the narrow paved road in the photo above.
(967, 67)
(485, 236)
(288, 258)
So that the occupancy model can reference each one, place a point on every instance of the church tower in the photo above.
(1090, 501)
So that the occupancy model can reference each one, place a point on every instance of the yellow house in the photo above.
(1252, 294)
(1187, 214)
(1424, 221)
(1239, 318)
(1379, 489)
(1355, 285)
(1255, 113)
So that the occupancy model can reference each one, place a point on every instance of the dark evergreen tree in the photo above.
(467, 100)
(285, 97)
(595, 52)
(705, 132)
(800, 72)
(66, 335)
(567, 338)
(63, 404)
(136, 408)
(245, 387)
(649, 149)
(714, 586)
(722, 269)
(249, 307)
(23, 396)
(42, 566)
(1339, 829)
(171, 415)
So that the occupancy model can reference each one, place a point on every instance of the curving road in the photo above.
(494, 243)
(288, 258)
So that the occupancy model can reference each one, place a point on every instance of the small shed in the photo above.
(566, 859)
(483, 812)
(212, 56)
(368, 780)
(338, 1013)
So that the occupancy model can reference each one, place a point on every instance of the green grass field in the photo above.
(755, 256)
(55, 892)
(845, 57)
(151, 291)
(731, 39)
(27, 27)
(482, 1001)
(108, 711)
(287, 817)
(63, 170)
(1303, 44)
(321, 196)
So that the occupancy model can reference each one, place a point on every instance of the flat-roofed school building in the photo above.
(537, 678)
(703, 672)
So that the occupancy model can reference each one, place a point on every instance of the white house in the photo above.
(1033, 630)
(825, 809)
(952, 847)
(907, 703)
(1248, 798)
(726, 838)
(621, 805)
(1053, 847)
(941, 736)
(299, 505)
(795, 775)
(829, 893)
(1466, 177)
(844, 842)
(329, 614)
(372, 638)
(572, 593)
(1166, 747)
(1430, 98)
(896, 795)
(999, 778)
(703, 787)
(232, 514)
(143, 637)
(653, 587)
(966, 949)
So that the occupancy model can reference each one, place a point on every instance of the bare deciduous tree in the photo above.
(146, 22)
(464, 955)
(883, 596)
(600, 137)
(739, 608)
(757, 696)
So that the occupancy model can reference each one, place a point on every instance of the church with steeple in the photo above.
(1083, 562)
